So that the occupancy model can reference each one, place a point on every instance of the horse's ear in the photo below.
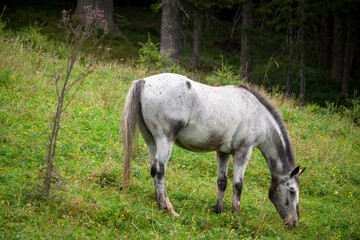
(295, 171)
(302, 170)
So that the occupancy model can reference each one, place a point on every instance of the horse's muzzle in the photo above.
(291, 224)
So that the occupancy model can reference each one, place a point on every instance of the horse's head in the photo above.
(284, 194)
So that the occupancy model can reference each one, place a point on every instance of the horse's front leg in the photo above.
(158, 168)
(241, 158)
(222, 166)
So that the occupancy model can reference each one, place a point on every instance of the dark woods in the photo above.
(307, 49)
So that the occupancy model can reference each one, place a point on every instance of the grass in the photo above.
(88, 202)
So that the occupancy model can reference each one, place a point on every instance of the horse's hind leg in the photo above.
(149, 139)
(222, 166)
(241, 158)
(158, 168)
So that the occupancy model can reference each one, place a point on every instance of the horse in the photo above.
(232, 120)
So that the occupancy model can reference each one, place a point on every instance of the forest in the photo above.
(306, 49)
(67, 66)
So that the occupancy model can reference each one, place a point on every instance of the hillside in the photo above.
(87, 201)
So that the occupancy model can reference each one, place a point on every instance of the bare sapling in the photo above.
(68, 84)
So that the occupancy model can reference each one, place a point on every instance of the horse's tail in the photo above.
(129, 123)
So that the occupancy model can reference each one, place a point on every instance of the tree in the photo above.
(247, 24)
(338, 48)
(197, 16)
(199, 8)
(170, 45)
(289, 70)
(105, 5)
(324, 41)
(302, 52)
(348, 57)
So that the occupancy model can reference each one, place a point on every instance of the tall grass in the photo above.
(89, 203)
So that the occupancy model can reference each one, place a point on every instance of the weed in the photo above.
(65, 81)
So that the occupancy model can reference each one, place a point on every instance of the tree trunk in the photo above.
(107, 6)
(289, 80)
(324, 42)
(338, 49)
(196, 38)
(170, 45)
(302, 56)
(247, 23)
(302, 80)
(289, 71)
(347, 60)
(79, 10)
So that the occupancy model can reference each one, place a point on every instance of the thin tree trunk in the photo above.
(170, 45)
(302, 80)
(289, 80)
(247, 23)
(79, 9)
(347, 60)
(338, 49)
(289, 71)
(324, 42)
(302, 57)
(196, 38)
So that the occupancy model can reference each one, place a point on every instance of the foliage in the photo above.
(149, 56)
(36, 39)
(224, 76)
(2, 23)
(353, 112)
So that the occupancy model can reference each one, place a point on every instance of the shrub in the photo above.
(2, 24)
(149, 56)
(224, 76)
(353, 112)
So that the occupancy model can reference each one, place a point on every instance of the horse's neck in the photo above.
(276, 154)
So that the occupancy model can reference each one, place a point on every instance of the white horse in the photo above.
(231, 120)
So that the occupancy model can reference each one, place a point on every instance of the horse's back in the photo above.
(197, 116)
(166, 103)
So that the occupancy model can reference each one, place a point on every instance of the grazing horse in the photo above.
(231, 120)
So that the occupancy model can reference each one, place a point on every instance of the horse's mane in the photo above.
(269, 104)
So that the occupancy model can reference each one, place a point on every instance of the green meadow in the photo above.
(87, 202)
